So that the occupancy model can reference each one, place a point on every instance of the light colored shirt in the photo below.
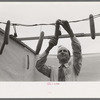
(71, 69)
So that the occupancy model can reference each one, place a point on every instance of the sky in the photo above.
(48, 12)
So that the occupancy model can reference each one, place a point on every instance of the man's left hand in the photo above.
(67, 27)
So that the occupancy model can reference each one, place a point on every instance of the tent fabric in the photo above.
(16, 62)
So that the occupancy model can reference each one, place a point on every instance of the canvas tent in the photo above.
(17, 61)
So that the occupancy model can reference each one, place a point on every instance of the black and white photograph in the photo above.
(55, 43)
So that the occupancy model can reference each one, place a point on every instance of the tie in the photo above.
(61, 75)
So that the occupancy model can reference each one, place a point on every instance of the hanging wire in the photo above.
(16, 24)
(2, 22)
(15, 32)
(95, 16)
(32, 25)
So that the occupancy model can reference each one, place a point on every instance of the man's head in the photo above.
(63, 54)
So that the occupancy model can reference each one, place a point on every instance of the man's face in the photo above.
(63, 55)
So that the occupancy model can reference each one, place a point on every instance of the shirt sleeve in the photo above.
(77, 55)
(41, 66)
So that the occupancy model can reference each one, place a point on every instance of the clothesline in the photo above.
(16, 24)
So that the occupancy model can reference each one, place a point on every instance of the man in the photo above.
(69, 69)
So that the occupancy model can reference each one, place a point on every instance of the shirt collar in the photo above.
(66, 65)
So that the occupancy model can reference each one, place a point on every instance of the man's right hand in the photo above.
(53, 41)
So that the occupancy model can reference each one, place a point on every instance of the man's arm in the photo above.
(77, 53)
(40, 65)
